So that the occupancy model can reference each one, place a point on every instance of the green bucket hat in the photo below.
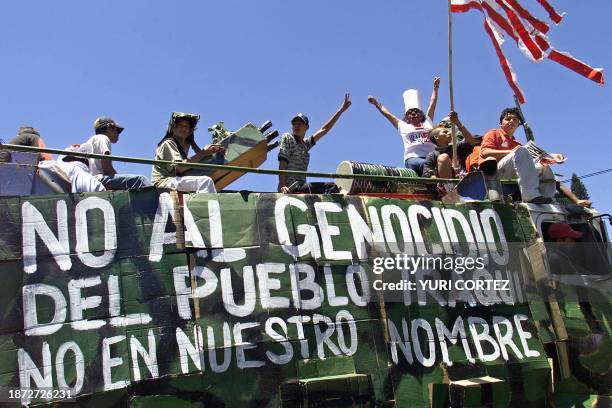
(191, 117)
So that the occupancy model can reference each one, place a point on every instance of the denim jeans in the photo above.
(416, 164)
(316, 188)
(124, 182)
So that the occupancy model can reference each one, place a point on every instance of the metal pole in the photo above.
(528, 132)
(226, 167)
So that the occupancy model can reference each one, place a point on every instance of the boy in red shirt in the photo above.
(536, 181)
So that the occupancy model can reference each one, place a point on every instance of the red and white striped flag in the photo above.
(529, 32)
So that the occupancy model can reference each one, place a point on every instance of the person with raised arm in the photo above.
(439, 162)
(414, 127)
(294, 153)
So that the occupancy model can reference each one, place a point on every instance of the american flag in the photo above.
(509, 17)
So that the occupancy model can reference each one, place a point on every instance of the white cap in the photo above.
(411, 99)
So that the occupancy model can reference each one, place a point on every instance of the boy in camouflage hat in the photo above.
(439, 162)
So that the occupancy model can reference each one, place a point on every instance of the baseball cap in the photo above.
(562, 230)
(103, 122)
(301, 117)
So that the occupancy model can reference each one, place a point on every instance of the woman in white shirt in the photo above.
(415, 126)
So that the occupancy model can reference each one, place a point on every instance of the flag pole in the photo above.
(526, 127)
(455, 162)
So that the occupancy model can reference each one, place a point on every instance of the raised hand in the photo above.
(436, 82)
(373, 101)
(454, 118)
(347, 102)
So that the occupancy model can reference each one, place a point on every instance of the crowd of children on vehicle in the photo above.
(428, 150)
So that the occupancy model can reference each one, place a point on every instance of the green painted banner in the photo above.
(153, 298)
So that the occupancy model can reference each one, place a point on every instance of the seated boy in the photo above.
(438, 163)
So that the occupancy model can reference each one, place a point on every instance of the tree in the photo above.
(579, 188)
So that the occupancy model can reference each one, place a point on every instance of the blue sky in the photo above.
(66, 62)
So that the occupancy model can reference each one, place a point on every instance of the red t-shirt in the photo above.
(497, 139)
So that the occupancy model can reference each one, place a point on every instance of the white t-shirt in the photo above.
(416, 139)
(98, 144)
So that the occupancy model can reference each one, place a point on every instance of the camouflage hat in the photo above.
(446, 122)
(103, 122)
(191, 117)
